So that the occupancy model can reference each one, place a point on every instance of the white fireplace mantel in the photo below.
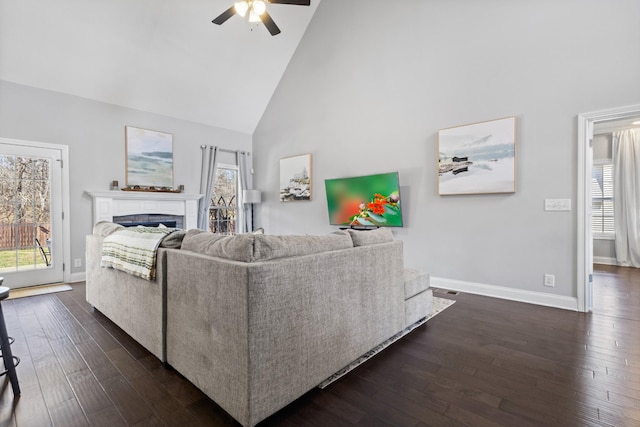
(109, 204)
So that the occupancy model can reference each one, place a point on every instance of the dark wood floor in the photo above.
(482, 362)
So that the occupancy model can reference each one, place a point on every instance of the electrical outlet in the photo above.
(549, 280)
(77, 262)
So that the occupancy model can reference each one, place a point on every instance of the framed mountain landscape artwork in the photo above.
(479, 158)
(149, 158)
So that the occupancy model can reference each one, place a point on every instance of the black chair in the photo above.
(10, 361)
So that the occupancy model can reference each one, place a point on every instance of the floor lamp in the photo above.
(251, 197)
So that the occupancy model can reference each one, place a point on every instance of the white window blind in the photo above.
(602, 199)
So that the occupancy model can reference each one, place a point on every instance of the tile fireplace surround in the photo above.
(110, 204)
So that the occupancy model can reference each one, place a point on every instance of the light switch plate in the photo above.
(557, 204)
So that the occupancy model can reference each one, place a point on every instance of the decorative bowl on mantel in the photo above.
(152, 189)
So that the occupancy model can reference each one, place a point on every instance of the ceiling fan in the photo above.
(256, 11)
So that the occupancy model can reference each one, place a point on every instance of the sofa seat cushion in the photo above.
(414, 282)
(261, 247)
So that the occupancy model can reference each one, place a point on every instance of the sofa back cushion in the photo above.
(371, 237)
(268, 247)
(238, 247)
(261, 247)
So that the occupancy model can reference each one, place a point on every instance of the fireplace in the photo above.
(150, 220)
(146, 208)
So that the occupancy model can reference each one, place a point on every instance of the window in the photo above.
(224, 200)
(602, 223)
(25, 204)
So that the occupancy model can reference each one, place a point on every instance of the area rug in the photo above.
(37, 290)
(439, 305)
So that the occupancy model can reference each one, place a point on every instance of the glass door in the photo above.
(30, 215)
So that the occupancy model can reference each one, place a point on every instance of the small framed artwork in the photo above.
(149, 161)
(295, 178)
(479, 158)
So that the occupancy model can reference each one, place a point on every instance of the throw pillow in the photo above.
(173, 240)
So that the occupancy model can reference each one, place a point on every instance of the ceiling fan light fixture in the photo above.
(254, 17)
(257, 10)
(259, 7)
(241, 8)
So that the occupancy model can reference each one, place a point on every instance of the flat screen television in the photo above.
(365, 201)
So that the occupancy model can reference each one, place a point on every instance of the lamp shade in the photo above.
(251, 196)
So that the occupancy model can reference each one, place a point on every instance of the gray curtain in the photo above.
(244, 222)
(626, 196)
(207, 181)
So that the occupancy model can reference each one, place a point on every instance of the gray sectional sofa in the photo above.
(255, 321)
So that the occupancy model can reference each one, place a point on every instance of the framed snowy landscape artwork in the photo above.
(295, 178)
(479, 158)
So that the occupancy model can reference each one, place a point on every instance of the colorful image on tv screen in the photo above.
(365, 201)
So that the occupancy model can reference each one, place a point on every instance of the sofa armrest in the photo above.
(134, 304)
(207, 326)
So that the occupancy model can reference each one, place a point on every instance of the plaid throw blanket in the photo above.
(133, 250)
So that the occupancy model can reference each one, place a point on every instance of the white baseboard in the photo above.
(604, 260)
(539, 298)
(77, 277)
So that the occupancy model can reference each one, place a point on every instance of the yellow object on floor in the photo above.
(38, 290)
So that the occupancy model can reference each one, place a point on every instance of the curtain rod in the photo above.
(226, 150)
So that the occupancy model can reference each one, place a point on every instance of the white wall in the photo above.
(371, 84)
(94, 132)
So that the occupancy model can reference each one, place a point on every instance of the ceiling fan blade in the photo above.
(225, 15)
(270, 24)
(296, 2)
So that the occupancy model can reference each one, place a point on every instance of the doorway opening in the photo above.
(586, 123)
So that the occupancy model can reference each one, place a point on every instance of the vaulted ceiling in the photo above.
(160, 56)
